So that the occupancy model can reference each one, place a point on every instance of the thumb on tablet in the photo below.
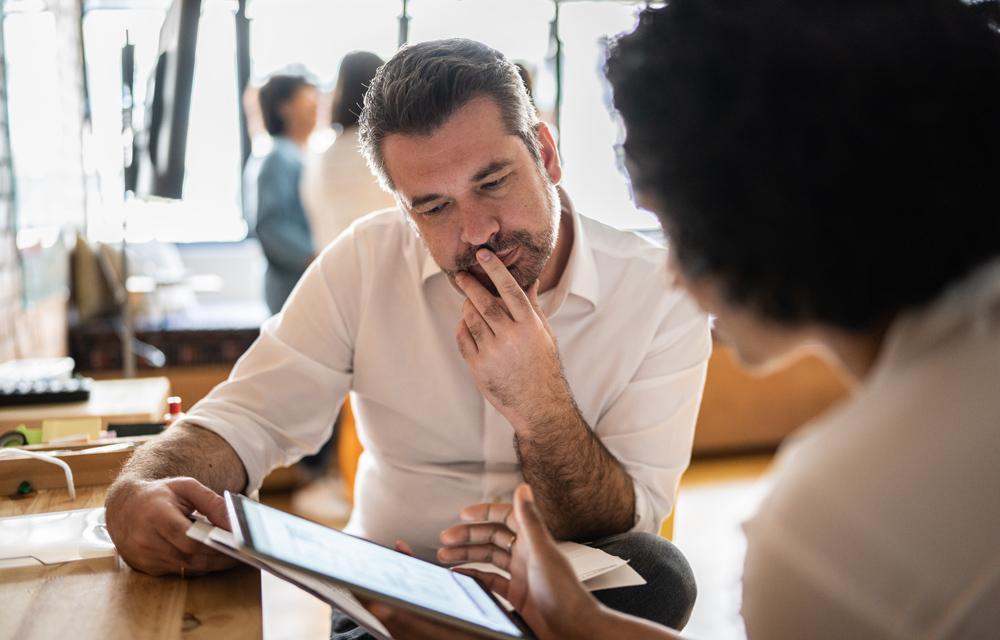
(203, 500)
(403, 547)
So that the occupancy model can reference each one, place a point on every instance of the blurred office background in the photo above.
(73, 125)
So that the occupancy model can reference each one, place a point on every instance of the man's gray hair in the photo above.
(423, 85)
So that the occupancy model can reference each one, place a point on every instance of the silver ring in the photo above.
(510, 545)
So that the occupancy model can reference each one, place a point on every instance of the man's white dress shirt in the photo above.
(884, 518)
(375, 315)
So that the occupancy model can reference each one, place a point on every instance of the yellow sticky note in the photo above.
(86, 428)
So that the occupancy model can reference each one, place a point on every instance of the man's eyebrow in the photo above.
(492, 167)
(421, 200)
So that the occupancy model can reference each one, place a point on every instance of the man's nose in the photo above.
(478, 226)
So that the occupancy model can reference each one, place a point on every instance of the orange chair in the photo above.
(348, 448)
(667, 528)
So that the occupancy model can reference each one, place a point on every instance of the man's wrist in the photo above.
(121, 487)
(546, 417)
(553, 406)
(119, 494)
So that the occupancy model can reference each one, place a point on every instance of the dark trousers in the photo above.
(667, 598)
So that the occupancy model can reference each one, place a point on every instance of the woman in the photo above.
(826, 172)
(338, 188)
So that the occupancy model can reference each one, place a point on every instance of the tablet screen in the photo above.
(372, 567)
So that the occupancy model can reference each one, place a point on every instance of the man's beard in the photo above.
(533, 251)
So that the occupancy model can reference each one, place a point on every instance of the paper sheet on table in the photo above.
(54, 538)
(326, 590)
(595, 568)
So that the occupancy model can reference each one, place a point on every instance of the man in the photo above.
(489, 272)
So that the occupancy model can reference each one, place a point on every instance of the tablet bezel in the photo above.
(240, 530)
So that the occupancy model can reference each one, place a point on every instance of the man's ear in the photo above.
(549, 153)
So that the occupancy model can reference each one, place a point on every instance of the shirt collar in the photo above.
(579, 278)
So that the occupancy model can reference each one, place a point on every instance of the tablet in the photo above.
(370, 569)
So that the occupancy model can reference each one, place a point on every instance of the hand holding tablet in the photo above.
(368, 569)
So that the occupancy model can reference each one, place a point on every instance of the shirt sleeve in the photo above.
(282, 397)
(281, 221)
(650, 426)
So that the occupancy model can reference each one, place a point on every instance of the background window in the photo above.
(44, 121)
(317, 34)
(589, 131)
(210, 209)
(314, 35)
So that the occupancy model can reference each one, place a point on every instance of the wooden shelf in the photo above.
(121, 401)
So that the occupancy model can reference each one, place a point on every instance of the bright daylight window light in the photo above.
(590, 131)
(281, 37)
(46, 154)
(210, 209)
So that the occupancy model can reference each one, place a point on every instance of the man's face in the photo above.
(471, 184)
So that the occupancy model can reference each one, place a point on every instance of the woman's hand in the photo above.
(542, 587)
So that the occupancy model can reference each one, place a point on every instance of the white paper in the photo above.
(595, 568)
(623, 576)
(54, 538)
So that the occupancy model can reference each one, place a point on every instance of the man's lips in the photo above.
(508, 257)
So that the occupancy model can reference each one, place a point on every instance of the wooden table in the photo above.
(104, 598)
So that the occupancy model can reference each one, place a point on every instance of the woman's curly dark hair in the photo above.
(832, 161)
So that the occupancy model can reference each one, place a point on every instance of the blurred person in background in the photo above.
(288, 105)
(337, 186)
